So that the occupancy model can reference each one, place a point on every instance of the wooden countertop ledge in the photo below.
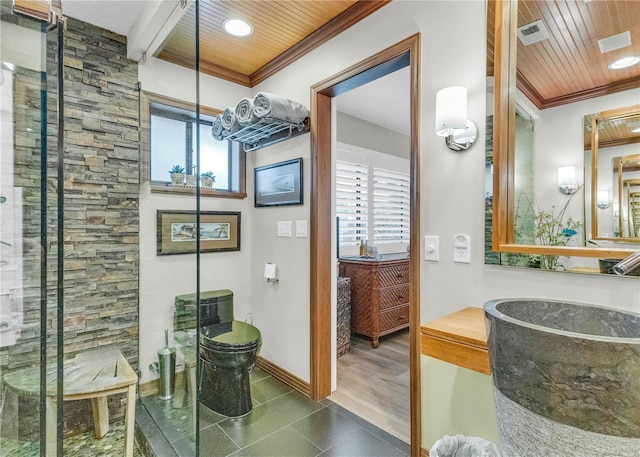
(459, 338)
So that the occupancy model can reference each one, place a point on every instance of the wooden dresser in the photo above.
(379, 294)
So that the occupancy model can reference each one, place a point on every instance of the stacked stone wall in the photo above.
(101, 208)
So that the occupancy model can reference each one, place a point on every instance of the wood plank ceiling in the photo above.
(282, 32)
(569, 66)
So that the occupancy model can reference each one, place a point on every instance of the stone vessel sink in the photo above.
(572, 364)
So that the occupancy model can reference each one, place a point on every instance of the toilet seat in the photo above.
(239, 337)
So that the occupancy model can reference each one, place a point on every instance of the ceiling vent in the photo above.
(615, 42)
(532, 33)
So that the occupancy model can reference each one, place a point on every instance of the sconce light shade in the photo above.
(603, 199)
(451, 110)
(567, 180)
(451, 118)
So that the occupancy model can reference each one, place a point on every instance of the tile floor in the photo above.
(282, 423)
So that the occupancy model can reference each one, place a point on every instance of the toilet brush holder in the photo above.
(167, 369)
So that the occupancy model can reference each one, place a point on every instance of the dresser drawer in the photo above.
(390, 297)
(394, 318)
(394, 275)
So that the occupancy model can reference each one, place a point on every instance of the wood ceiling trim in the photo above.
(618, 86)
(528, 90)
(207, 68)
(339, 24)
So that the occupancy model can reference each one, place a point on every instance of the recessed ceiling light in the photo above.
(237, 27)
(624, 62)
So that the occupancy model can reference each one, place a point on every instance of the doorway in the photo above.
(391, 59)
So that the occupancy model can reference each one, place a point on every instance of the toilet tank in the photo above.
(216, 306)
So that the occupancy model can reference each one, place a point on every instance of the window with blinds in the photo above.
(352, 196)
(372, 204)
(390, 207)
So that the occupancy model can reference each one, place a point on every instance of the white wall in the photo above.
(366, 135)
(164, 277)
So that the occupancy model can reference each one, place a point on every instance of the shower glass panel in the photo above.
(169, 227)
(28, 237)
(69, 239)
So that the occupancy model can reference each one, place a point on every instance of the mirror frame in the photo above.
(504, 116)
(609, 115)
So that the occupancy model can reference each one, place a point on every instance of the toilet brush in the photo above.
(167, 368)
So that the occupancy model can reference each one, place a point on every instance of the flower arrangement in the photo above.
(551, 229)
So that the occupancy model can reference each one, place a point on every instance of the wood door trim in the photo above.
(321, 223)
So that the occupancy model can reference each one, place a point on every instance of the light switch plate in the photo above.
(432, 248)
(301, 229)
(462, 248)
(284, 229)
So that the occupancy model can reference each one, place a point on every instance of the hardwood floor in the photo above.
(374, 383)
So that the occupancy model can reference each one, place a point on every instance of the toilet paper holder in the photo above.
(270, 273)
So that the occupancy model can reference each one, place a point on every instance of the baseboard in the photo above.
(283, 375)
(424, 452)
(153, 387)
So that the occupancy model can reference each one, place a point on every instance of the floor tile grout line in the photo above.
(229, 436)
(341, 410)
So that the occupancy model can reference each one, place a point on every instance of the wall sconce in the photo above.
(603, 199)
(567, 180)
(451, 118)
(270, 273)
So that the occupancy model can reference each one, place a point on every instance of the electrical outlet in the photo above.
(462, 249)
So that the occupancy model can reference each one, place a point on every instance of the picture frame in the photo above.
(176, 231)
(278, 184)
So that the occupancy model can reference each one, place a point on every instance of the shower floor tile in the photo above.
(81, 445)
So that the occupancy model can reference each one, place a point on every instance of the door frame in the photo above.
(321, 223)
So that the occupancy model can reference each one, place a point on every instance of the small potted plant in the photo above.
(192, 178)
(208, 179)
(177, 175)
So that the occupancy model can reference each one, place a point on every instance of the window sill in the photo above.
(166, 189)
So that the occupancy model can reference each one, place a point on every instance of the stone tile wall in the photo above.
(101, 220)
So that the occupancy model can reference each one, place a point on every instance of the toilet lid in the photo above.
(241, 334)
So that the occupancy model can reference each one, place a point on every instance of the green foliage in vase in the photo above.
(550, 229)
(177, 169)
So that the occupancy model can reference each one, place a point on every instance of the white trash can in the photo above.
(464, 446)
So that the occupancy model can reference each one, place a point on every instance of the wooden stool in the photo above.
(93, 374)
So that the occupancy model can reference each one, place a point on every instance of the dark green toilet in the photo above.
(228, 351)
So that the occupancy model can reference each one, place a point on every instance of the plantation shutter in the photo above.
(352, 202)
(390, 207)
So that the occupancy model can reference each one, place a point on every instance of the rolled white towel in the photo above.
(274, 106)
(217, 130)
(227, 118)
(244, 112)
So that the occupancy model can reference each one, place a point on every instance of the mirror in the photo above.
(614, 154)
(547, 76)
